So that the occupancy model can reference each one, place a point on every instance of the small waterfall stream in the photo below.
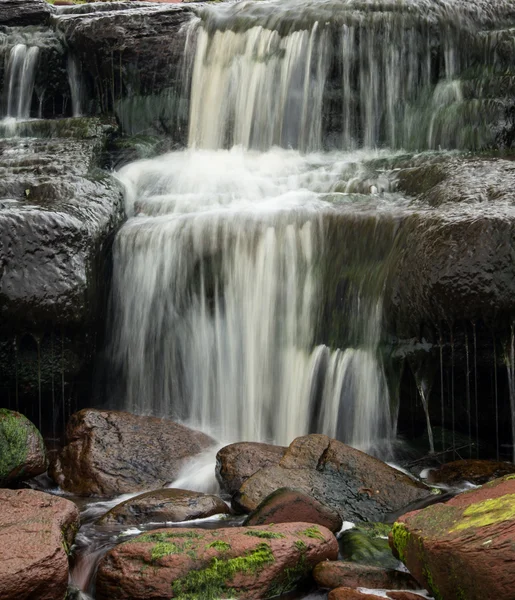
(20, 77)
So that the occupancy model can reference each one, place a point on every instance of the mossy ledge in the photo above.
(213, 582)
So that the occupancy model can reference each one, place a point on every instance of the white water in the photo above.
(217, 285)
(20, 77)
(75, 83)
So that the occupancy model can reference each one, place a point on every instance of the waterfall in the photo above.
(20, 77)
(218, 289)
(74, 80)
(217, 295)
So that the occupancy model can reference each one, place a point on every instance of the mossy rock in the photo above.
(367, 544)
(22, 450)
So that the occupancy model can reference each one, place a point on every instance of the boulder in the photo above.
(36, 532)
(25, 12)
(333, 574)
(58, 213)
(357, 486)
(22, 450)
(237, 462)
(250, 563)
(289, 506)
(367, 543)
(111, 452)
(477, 472)
(165, 506)
(471, 534)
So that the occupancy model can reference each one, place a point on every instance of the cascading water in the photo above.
(218, 287)
(20, 77)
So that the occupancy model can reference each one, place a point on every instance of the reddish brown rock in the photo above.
(250, 563)
(165, 505)
(237, 462)
(335, 574)
(345, 593)
(289, 506)
(22, 450)
(404, 596)
(474, 471)
(111, 452)
(356, 485)
(465, 547)
(36, 529)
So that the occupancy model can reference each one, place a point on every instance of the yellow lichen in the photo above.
(487, 512)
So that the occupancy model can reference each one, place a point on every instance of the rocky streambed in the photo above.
(317, 513)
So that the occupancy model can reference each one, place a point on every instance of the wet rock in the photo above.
(289, 506)
(244, 562)
(58, 213)
(356, 485)
(22, 450)
(477, 472)
(471, 534)
(404, 596)
(330, 574)
(367, 543)
(36, 532)
(166, 505)
(25, 12)
(130, 55)
(346, 593)
(237, 462)
(114, 452)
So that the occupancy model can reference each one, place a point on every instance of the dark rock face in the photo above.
(237, 462)
(58, 213)
(36, 531)
(330, 574)
(356, 485)
(463, 548)
(131, 57)
(25, 12)
(249, 563)
(474, 471)
(166, 505)
(22, 450)
(112, 452)
(290, 506)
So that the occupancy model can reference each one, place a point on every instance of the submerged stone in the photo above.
(367, 543)
(166, 505)
(463, 548)
(334, 574)
(477, 472)
(247, 563)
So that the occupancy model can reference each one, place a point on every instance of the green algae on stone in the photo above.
(400, 536)
(219, 545)
(213, 582)
(313, 533)
(15, 432)
(487, 512)
(266, 535)
(162, 549)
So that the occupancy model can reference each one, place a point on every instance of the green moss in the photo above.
(162, 549)
(266, 535)
(219, 545)
(487, 512)
(165, 536)
(213, 582)
(313, 532)
(401, 538)
(300, 545)
(14, 436)
(367, 543)
(431, 584)
(290, 577)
